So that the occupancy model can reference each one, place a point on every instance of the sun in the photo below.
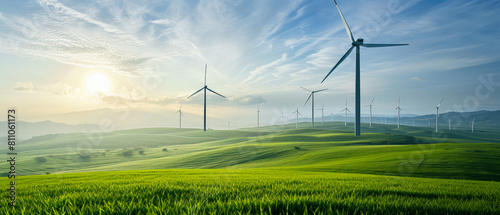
(97, 82)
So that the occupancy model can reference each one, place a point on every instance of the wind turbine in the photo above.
(322, 116)
(437, 114)
(449, 123)
(345, 110)
(282, 118)
(205, 88)
(399, 109)
(312, 95)
(180, 116)
(358, 43)
(331, 114)
(297, 120)
(473, 122)
(228, 125)
(258, 116)
(371, 110)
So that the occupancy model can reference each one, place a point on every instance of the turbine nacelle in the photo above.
(358, 42)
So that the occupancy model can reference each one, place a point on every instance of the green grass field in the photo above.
(266, 170)
(249, 192)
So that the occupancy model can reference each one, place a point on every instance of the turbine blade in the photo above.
(338, 63)
(205, 75)
(348, 110)
(369, 45)
(215, 93)
(317, 91)
(346, 103)
(195, 93)
(372, 100)
(305, 89)
(345, 22)
(440, 102)
(180, 107)
(308, 99)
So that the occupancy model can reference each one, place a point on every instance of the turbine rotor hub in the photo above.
(358, 42)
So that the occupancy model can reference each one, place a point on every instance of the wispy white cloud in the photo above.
(24, 86)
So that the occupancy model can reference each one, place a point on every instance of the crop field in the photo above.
(256, 191)
(267, 170)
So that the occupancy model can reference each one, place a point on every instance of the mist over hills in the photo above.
(27, 130)
(113, 120)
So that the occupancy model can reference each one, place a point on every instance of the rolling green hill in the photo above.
(329, 147)
(266, 170)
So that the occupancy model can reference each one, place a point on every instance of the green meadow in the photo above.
(266, 170)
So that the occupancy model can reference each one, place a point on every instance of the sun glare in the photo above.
(97, 83)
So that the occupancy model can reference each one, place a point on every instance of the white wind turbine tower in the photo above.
(473, 122)
(258, 116)
(180, 116)
(437, 114)
(297, 119)
(312, 95)
(345, 110)
(370, 105)
(359, 42)
(399, 109)
(331, 114)
(282, 118)
(449, 123)
(205, 88)
(322, 116)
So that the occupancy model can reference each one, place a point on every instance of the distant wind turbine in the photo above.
(437, 114)
(228, 125)
(449, 123)
(180, 116)
(473, 122)
(332, 116)
(205, 88)
(282, 117)
(258, 116)
(322, 116)
(297, 119)
(312, 95)
(359, 42)
(370, 105)
(399, 109)
(345, 110)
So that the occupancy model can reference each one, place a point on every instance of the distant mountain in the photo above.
(26, 130)
(485, 120)
(480, 116)
(118, 118)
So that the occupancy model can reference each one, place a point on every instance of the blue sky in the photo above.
(258, 53)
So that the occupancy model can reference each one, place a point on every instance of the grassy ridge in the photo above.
(248, 192)
(407, 151)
